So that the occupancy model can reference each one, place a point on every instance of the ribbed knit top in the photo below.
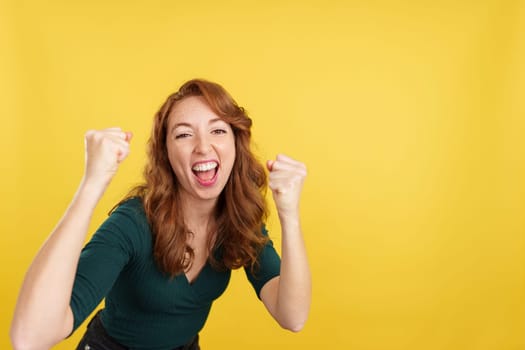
(145, 308)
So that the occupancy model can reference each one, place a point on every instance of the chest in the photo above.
(199, 262)
(142, 285)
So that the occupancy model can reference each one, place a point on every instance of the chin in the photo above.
(209, 195)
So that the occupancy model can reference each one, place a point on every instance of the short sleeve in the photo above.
(102, 259)
(269, 266)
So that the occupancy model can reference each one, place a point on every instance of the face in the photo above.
(201, 148)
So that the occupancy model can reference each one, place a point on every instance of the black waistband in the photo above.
(97, 338)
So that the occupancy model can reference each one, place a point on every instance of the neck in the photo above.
(198, 214)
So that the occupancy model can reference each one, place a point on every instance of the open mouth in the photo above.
(206, 172)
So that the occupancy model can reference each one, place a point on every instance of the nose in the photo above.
(202, 144)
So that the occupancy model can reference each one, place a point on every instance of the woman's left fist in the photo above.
(286, 182)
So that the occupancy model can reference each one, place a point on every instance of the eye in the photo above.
(218, 131)
(182, 135)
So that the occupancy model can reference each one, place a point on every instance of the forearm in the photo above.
(43, 304)
(294, 294)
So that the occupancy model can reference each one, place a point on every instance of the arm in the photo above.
(42, 315)
(288, 296)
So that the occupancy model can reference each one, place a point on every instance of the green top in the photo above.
(145, 308)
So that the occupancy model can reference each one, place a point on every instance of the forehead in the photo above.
(192, 109)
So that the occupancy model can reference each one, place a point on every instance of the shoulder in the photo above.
(130, 209)
(133, 204)
(128, 222)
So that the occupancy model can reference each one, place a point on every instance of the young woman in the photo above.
(167, 250)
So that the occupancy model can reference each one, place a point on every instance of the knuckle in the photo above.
(104, 140)
(89, 134)
(98, 136)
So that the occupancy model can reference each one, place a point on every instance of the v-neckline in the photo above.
(197, 276)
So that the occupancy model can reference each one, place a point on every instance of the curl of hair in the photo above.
(241, 208)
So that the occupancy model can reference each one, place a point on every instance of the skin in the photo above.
(196, 134)
(43, 316)
(287, 297)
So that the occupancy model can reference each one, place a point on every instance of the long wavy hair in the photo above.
(241, 207)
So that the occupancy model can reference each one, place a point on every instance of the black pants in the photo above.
(96, 338)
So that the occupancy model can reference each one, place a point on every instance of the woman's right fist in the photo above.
(105, 149)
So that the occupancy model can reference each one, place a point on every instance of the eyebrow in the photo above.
(189, 125)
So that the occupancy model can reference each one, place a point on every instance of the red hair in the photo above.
(241, 207)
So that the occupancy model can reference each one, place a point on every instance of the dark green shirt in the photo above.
(144, 308)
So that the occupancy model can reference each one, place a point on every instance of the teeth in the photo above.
(205, 166)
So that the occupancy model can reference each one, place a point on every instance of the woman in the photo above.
(167, 250)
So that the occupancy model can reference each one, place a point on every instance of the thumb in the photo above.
(269, 164)
(129, 136)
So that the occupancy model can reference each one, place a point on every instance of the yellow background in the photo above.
(409, 114)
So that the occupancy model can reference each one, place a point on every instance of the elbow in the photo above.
(22, 339)
(26, 333)
(293, 321)
(295, 328)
